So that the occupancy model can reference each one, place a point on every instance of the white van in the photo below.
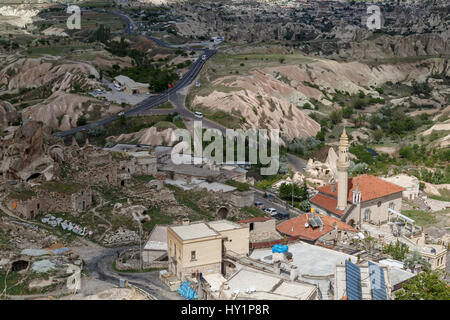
(198, 114)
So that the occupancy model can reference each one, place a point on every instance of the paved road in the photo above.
(296, 163)
(178, 100)
(131, 28)
(276, 202)
(100, 267)
(152, 101)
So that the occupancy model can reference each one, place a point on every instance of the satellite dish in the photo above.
(306, 225)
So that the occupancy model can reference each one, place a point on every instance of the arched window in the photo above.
(367, 215)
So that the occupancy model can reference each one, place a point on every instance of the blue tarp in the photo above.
(279, 248)
(186, 291)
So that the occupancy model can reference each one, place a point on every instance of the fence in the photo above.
(267, 244)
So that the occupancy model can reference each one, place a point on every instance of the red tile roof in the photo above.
(371, 187)
(326, 202)
(255, 219)
(295, 227)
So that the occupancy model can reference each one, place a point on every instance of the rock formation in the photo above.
(8, 114)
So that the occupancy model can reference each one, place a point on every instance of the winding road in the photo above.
(156, 100)
(100, 267)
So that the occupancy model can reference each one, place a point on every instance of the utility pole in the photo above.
(140, 246)
(139, 221)
(292, 183)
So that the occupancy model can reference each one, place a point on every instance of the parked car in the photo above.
(259, 205)
(204, 57)
(271, 211)
(198, 114)
(121, 113)
(282, 216)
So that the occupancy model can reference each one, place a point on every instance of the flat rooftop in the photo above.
(309, 259)
(224, 225)
(194, 231)
(190, 170)
(158, 239)
(252, 283)
(140, 154)
(128, 147)
(200, 183)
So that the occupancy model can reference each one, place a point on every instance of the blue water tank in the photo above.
(279, 248)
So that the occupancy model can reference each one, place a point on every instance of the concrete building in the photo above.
(435, 254)
(315, 264)
(364, 198)
(252, 284)
(362, 282)
(156, 245)
(194, 248)
(235, 236)
(130, 86)
(397, 273)
(259, 224)
(199, 247)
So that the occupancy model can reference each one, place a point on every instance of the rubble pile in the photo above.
(66, 225)
(121, 236)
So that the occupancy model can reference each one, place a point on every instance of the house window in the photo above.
(391, 205)
(193, 256)
(379, 204)
(367, 215)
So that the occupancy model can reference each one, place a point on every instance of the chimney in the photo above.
(277, 267)
(293, 273)
(185, 222)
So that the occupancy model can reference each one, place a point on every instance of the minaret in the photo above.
(342, 165)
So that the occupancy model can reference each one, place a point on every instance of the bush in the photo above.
(81, 121)
(347, 112)
(336, 116)
(305, 205)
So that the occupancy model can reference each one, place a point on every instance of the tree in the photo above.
(321, 135)
(425, 286)
(336, 116)
(300, 194)
(378, 135)
(397, 251)
(305, 206)
(347, 112)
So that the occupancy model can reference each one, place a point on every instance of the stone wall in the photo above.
(378, 209)
(242, 199)
(28, 209)
(265, 226)
(204, 269)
